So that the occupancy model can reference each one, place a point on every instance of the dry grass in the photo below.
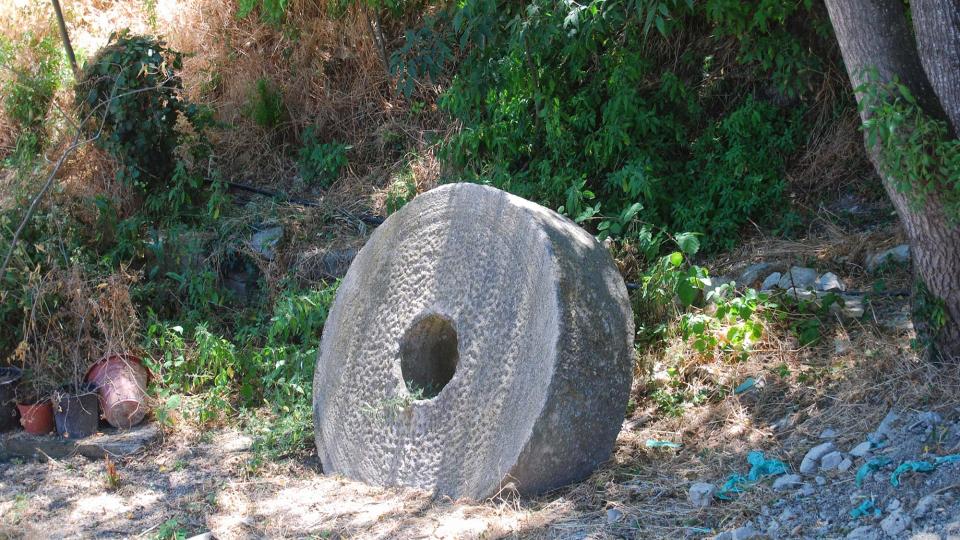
(73, 321)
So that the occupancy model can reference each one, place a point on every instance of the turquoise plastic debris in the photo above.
(866, 508)
(653, 443)
(952, 458)
(910, 466)
(747, 384)
(870, 466)
(735, 483)
(760, 467)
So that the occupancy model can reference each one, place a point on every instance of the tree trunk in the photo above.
(937, 25)
(874, 34)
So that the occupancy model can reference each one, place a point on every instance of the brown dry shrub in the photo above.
(75, 319)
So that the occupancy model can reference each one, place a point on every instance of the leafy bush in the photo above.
(132, 89)
(29, 92)
(266, 105)
(917, 152)
(271, 11)
(320, 163)
(270, 362)
(585, 107)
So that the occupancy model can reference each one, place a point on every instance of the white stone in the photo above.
(798, 277)
(614, 515)
(828, 433)
(469, 293)
(831, 461)
(771, 282)
(861, 449)
(899, 254)
(787, 481)
(700, 494)
(895, 524)
(265, 241)
(801, 294)
(829, 282)
(845, 465)
(924, 506)
(753, 273)
(809, 463)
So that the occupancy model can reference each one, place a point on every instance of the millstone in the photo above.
(478, 340)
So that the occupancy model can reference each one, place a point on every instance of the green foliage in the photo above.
(732, 328)
(401, 191)
(29, 91)
(28, 94)
(574, 106)
(918, 153)
(266, 106)
(269, 362)
(320, 163)
(130, 99)
(271, 11)
(170, 530)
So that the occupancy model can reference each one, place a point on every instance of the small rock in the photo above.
(265, 241)
(886, 425)
(899, 254)
(807, 490)
(845, 465)
(831, 461)
(798, 277)
(801, 294)
(924, 506)
(852, 307)
(893, 505)
(866, 532)
(828, 433)
(787, 481)
(613, 516)
(829, 282)
(809, 463)
(771, 282)
(821, 481)
(895, 524)
(753, 273)
(701, 494)
(861, 449)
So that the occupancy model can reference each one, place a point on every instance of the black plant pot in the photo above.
(9, 378)
(76, 410)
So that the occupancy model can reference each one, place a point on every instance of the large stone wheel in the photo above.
(477, 340)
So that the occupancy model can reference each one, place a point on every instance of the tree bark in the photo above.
(937, 26)
(874, 34)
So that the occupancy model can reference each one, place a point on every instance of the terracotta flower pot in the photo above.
(9, 377)
(76, 410)
(36, 418)
(122, 383)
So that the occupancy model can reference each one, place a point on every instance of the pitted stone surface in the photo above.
(543, 356)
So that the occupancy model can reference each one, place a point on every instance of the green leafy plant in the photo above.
(320, 163)
(917, 152)
(271, 11)
(29, 92)
(266, 106)
(569, 105)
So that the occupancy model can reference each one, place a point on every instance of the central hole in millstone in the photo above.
(428, 356)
